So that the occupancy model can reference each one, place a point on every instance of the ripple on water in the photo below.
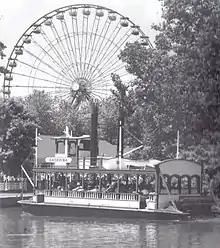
(76, 232)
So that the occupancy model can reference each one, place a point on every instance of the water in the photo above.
(57, 232)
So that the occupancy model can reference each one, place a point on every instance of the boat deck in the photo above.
(171, 211)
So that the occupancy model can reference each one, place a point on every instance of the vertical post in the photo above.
(49, 179)
(36, 180)
(157, 184)
(66, 141)
(120, 145)
(118, 183)
(101, 162)
(137, 178)
(84, 163)
(100, 181)
(109, 178)
(77, 153)
(83, 174)
(66, 181)
(177, 144)
(94, 135)
(36, 147)
(57, 146)
(22, 184)
(66, 147)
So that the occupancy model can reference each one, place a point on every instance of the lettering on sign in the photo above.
(62, 160)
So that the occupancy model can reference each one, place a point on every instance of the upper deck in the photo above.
(72, 154)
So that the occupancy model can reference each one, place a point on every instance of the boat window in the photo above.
(185, 185)
(195, 184)
(174, 184)
(163, 189)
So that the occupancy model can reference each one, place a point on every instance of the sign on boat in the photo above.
(59, 159)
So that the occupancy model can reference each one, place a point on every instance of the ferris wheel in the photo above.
(71, 53)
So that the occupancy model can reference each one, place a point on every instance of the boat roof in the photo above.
(85, 137)
(113, 164)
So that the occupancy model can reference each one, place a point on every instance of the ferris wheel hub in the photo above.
(75, 86)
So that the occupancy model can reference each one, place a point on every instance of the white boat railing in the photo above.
(89, 195)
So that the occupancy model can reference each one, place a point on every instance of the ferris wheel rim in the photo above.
(20, 42)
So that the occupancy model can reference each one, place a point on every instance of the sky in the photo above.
(17, 15)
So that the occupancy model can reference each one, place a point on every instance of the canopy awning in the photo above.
(113, 164)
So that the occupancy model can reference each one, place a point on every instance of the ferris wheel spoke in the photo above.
(74, 97)
(97, 95)
(67, 35)
(81, 49)
(62, 95)
(98, 81)
(37, 87)
(46, 53)
(58, 55)
(41, 79)
(115, 69)
(80, 52)
(47, 73)
(75, 45)
(111, 66)
(94, 46)
(101, 51)
(74, 54)
(89, 42)
(58, 93)
(110, 70)
(109, 58)
(62, 47)
(100, 92)
(85, 46)
(40, 60)
(101, 86)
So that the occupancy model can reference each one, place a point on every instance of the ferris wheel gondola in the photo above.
(71, 53)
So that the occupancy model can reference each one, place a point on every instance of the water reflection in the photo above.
(58, 232)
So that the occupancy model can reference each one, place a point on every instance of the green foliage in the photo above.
(17, 135)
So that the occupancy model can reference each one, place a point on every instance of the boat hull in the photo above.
(45, 209)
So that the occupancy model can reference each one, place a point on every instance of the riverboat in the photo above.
(114, 188)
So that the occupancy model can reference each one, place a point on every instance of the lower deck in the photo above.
(96, 199)
(75, 210)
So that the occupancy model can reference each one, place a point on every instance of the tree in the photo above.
(154, 120)
(177, 85)
(41, 105)
(191, 32)
(77, 119)
(17, 134)
(108, 120)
